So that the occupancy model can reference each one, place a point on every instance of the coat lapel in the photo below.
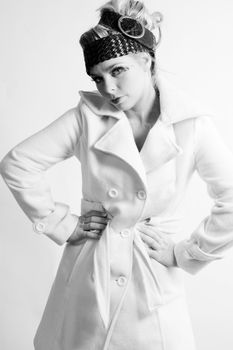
(159, 146)
(119, 141)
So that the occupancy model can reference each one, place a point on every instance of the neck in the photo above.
(146, 108)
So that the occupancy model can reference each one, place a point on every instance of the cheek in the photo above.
(134, 81)
(130, 85)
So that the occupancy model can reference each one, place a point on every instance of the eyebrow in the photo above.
(107, 69)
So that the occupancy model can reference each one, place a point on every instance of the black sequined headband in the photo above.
(128, 36)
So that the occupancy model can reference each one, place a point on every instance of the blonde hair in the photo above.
(132, 8)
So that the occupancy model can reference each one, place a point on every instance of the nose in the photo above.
(109, 87)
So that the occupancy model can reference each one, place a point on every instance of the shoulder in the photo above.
(192, 120)
(177, 105)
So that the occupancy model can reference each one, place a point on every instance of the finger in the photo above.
(95, 213)
(150, 242)
(149, 227)
(82, 233)
(90, 234)
(94, 234)
(97, 219)
(153, 254)
(150, 233)
(93, 226)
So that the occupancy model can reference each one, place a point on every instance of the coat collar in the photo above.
(175, 104)
(161, 144)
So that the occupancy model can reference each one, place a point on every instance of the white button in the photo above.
(39, 227)
(113, 192)
(121, 281)
(125, 233)
(141, 194)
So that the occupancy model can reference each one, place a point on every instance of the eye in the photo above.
(118, 70)
(97, 80)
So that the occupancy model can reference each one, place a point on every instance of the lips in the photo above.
(117, 100)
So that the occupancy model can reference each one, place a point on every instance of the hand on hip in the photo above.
(159, 246)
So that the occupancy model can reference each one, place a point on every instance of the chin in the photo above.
(125, 106)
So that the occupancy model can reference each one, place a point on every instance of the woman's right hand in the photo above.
(90, 225)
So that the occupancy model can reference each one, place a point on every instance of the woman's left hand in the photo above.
(159, 246)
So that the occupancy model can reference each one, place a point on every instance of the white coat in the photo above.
(108, 293)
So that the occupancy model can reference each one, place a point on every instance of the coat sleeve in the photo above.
(23, 170)
(214, 163)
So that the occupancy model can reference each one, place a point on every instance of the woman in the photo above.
(119, 283)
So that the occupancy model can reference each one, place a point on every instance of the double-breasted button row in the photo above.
(141, 194)
(125, 233)
(113, 193)
(121, 281)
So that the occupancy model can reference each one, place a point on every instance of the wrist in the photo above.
(74, 234)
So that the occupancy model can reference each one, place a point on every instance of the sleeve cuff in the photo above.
(58, 225)
(191, 258)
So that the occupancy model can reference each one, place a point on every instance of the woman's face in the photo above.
(122, 81)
